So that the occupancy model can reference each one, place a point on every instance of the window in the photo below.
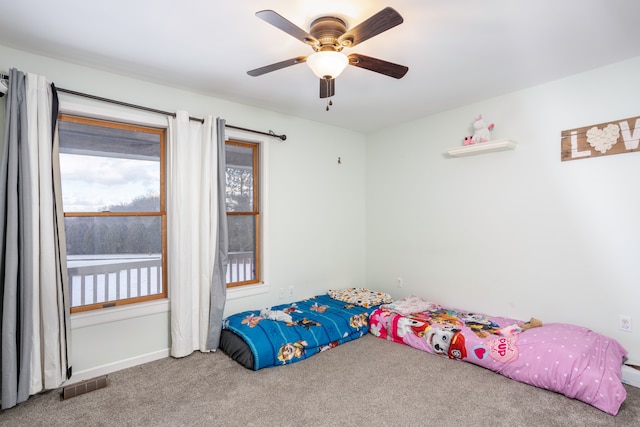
(243, 213)
(114, 208)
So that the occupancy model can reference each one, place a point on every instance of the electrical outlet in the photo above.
(291, 291)
(399, 282)
(625, 323)
(281, 293)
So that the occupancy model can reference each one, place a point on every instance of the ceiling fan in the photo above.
(327, 36)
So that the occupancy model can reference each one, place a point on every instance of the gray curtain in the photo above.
(219, 285)
(34, 312)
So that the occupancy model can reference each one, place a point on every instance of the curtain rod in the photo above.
(153, 110)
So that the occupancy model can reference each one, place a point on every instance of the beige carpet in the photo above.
(367, 382)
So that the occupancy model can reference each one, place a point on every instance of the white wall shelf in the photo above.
(483, 147)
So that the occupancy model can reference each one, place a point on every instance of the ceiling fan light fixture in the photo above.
(327, 63)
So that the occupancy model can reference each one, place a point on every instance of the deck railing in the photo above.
(241, 267)
(104, 282)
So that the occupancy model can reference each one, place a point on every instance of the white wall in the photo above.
(316, 232)
(516, 233)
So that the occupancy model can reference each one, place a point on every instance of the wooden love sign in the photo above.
(621, 136)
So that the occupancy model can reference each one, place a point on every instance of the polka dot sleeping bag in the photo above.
(574, 361)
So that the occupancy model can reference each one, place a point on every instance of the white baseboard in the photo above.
(630, 376)
(116, 366)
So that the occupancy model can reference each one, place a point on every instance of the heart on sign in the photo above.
(603, 139)
(480, 352)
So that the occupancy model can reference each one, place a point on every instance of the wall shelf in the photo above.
(483, 147)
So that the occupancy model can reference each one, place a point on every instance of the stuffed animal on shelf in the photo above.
(481, 132)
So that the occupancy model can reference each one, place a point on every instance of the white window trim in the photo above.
(85, 319)
(115, 114)
(101, 316)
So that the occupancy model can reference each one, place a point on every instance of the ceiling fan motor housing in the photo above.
(327, 30)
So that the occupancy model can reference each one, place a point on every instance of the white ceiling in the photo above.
(457, 51)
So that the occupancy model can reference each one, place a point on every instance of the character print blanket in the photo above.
(292, 332)
(574, 361)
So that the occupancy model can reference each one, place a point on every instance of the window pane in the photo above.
(106, 169)
(239, 178)
(242, 243)
(242, 213)
(112, 182)
(113, 258)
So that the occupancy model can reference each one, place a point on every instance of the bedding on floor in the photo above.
(574, 361)
(292, 332)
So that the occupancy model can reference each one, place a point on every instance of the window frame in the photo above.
(118, 123)
(256, 213)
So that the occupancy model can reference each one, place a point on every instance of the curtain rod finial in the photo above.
(272, 133)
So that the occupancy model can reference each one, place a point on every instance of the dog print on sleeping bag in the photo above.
(290, 350)
(480, 324)
(448, 341)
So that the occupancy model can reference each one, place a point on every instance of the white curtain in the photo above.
(35, 309)
(192, 223)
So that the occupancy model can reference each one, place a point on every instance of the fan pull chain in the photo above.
(329, 103)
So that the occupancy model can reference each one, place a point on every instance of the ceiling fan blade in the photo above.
(386, 19)
(327, 88)
(378, 65)
(277, 66)
(287, 26)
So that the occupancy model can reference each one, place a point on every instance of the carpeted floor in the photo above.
(365, 382)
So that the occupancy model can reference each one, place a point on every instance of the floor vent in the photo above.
(83, 387)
